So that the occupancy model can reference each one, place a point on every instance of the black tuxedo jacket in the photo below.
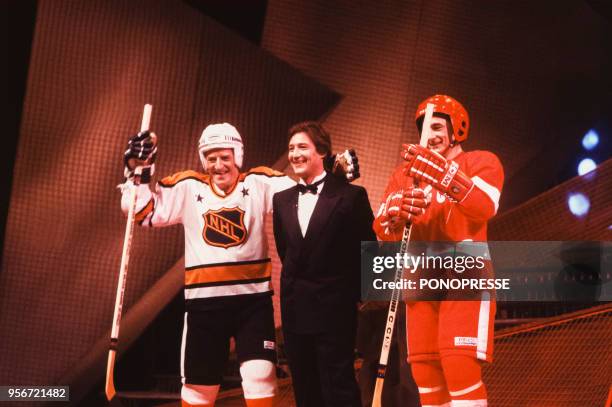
(320, 278)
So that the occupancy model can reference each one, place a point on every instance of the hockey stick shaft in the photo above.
(399, 273)
(123, 268)
(390, 325)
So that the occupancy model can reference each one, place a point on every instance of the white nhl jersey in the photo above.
(226, 251)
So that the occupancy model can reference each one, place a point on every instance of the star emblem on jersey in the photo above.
(245, 191)
(224, 227)
(199, 198)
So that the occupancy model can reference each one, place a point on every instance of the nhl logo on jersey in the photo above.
(224, 227)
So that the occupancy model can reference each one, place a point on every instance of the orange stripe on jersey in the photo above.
(140, 216)
(174, 179)
(268, 172)
(228, 273)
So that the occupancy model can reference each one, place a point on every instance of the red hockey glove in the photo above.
(406, 204)
(432, 168)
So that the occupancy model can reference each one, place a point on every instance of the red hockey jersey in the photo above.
(450, 221)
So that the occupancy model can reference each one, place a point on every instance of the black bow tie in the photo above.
(310, 188)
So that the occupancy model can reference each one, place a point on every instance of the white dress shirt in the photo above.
(307, 203)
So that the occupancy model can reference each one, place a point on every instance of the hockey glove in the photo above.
(406, 205)
(141, 151)
(344, 165)
(432, 168)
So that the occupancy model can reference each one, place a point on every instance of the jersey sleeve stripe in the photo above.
(488, 189)
(268, 172)
(227, 273)
(172, 180)
(144, 212)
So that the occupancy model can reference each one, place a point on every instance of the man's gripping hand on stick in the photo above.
(433, 169)
(141, 152)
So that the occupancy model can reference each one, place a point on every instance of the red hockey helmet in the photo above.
(456, 112)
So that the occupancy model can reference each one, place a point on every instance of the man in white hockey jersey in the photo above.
(228, 290)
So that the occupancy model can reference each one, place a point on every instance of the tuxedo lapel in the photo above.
(293, 224)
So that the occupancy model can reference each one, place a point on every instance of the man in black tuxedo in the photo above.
(318, 226)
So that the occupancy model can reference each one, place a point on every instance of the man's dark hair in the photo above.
(319, 136)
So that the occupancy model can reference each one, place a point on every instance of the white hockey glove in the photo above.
(345, 165)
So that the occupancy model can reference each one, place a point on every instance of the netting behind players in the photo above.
(560, 361)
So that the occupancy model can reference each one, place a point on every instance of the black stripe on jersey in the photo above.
(203, 304)
(229, 263)
(229, 282)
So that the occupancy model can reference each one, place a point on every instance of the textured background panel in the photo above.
(93, 67)
(365, 51)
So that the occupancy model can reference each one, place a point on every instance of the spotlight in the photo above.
(590, 140)
(578, 204)
(586, 165)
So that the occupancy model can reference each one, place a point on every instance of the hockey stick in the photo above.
(125, 258)
(399, 273)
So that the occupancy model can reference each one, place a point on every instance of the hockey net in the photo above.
(560, 361)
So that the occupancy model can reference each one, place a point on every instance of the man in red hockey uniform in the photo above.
(447, 340)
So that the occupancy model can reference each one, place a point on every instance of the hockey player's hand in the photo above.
(405, 206)
(432, 168)
(141, 151)
(410, 204)
(346, 165)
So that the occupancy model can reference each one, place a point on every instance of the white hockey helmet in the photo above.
(221, 135)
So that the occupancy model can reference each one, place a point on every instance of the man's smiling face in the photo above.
(306, 162)
(438, 139)
(222, 168)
